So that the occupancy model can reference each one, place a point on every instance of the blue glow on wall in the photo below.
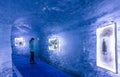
(73, 21)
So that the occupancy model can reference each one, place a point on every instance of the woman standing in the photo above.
(32, 50)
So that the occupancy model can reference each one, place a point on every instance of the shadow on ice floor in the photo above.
(22, 68)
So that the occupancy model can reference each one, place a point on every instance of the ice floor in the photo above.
(41, 69)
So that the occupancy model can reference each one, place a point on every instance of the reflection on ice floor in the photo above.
(40, 69)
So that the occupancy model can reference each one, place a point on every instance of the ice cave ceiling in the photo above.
(63, 15)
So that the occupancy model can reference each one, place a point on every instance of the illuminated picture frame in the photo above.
(53, 44)
(19, 42)
(106, 47)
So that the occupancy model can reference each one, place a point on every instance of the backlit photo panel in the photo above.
(106, 52)
(54, 44)
(19, 42)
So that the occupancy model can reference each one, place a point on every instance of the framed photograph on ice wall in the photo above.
(19, 42)
(53, 44)
(106, 47)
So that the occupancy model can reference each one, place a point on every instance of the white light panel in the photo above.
(20, 42)
(53, 44)
(106, 53)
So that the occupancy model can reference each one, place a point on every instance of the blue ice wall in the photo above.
(74, 22)
(5, 51)
(5, 42)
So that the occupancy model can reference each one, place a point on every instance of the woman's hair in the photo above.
(32, 39)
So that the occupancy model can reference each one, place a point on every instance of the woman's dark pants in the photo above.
(31, 57)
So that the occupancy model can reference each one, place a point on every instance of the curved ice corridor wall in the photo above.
(72, 22)
(5, 50)
(5, 41)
